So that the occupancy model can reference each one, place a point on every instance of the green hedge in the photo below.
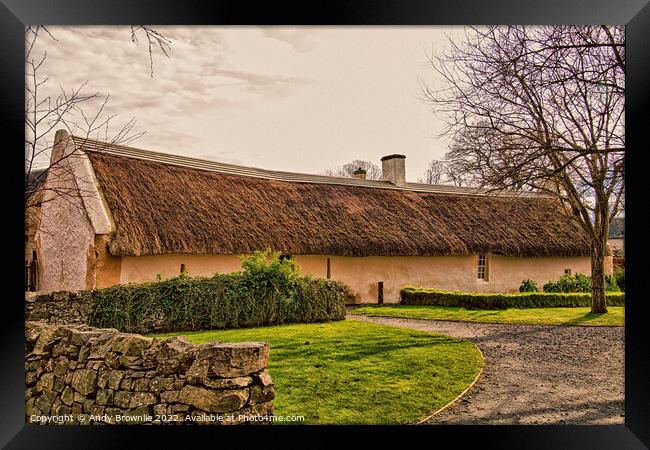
(262, 294)
(432, 297)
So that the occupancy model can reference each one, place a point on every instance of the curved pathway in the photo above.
(535, 374)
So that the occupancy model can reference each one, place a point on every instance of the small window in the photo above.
(183, 268)
(567, 271)
(482, 267)
(284, 256)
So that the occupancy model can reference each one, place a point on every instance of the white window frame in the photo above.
(482, 269)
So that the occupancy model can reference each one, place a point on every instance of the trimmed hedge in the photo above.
(432, 297)
(188, 304)
(264, 293)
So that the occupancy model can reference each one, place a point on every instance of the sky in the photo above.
(297, 99)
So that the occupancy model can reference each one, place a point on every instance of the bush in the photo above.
(578, 283)
(528, 286)
(268, 291)
(619, 278)
(610, 284)
(569, 283)
(433, 297)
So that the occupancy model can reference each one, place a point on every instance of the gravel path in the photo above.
(536, 374)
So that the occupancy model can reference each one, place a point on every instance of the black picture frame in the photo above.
(16, 14)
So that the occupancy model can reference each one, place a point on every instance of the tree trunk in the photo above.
(598, 252)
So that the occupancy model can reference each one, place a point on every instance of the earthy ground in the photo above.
(536, 374)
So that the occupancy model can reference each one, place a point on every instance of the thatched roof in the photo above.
(168, 204)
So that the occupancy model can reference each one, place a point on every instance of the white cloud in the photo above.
(291, 98)
(301, 39)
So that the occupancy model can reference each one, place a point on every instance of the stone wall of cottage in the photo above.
(76, 374)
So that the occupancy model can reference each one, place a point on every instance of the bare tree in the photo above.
(542, 108)
(373, 172)
(434, 172)
(448, 172)
(457, 176)
(473, 153)
(70, 110)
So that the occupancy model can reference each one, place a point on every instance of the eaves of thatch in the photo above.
(164, 204)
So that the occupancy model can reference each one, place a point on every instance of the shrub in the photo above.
(610, 284)
(433, 297)
(268, 291)
(619, 278)
(528, 286)
(578, 283)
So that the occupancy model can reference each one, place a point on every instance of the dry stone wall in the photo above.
(59, 307)
(76, 374)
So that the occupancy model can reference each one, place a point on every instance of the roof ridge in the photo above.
(92, 145)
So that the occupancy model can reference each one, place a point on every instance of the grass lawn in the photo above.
(352, 372)
(527, 316)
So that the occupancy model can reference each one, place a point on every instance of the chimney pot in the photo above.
(393, 169)
(359, 174)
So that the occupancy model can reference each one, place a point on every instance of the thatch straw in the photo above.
(160, 208)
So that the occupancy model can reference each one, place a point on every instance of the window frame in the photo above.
(482, 269)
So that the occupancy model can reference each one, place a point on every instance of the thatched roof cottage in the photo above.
(141, 213)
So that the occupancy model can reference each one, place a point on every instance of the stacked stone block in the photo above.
(59, 307)
(76, 374)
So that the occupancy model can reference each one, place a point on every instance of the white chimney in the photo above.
(392, 169)
(59, 149)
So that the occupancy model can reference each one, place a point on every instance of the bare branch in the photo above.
(154, 39)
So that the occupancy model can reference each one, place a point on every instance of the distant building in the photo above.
(616, 238)
(140, 213)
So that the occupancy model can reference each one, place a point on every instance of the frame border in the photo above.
(16, 14)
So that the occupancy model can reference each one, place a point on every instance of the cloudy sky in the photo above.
(300, 99)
